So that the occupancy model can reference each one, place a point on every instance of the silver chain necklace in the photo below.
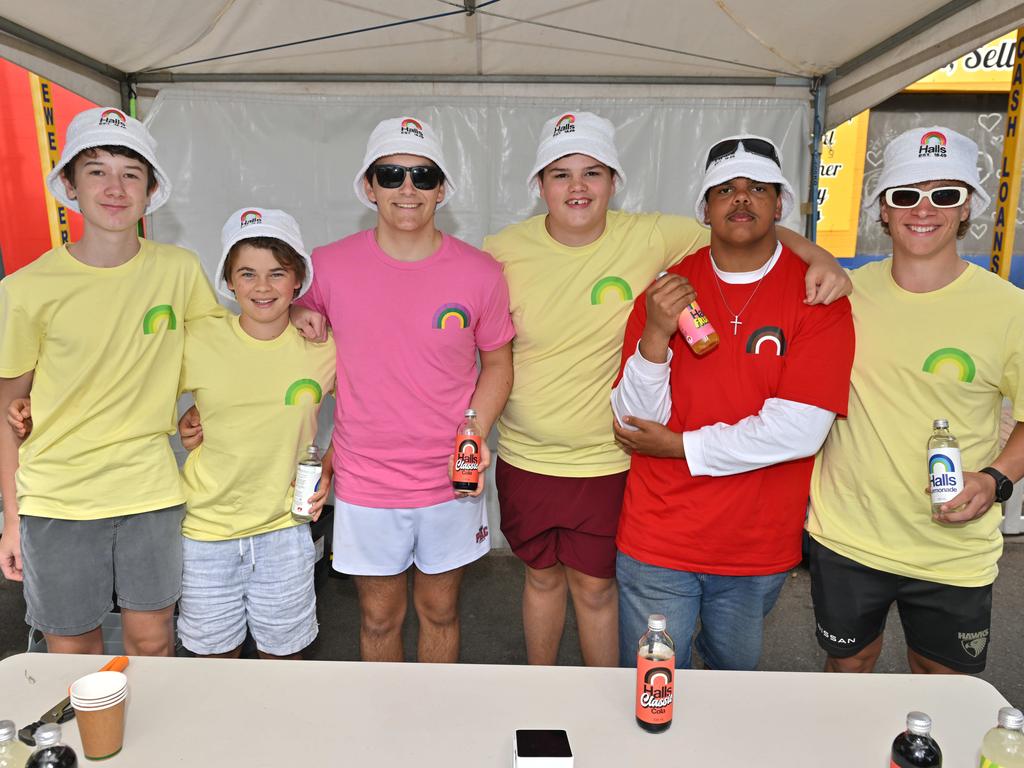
(736, 322)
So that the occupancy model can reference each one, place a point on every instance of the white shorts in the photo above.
(262, 582)
(373, 541)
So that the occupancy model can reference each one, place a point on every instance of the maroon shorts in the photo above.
(567, 520)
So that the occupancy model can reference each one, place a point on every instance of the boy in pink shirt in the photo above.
(410, 308)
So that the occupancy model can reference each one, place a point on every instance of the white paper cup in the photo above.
(98, 688)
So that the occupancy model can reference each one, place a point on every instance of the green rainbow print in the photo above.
(610, 285)
(954, 357)
(300, 387)
(155, 315)
(455, 315)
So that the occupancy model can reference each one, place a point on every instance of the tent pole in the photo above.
(819, 91)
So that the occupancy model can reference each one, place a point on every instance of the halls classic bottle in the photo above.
(655, 676)
(945, 469)
(915, 747)
(468, 442)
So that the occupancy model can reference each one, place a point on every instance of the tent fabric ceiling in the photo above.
(748, 41)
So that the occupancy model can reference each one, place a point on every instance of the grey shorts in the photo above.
(73, 567)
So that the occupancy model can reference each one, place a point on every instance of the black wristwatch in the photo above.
(1004, 486)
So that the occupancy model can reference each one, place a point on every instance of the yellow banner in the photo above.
(984, 70)
(839, 185)
(1008, 192)
(49, 154)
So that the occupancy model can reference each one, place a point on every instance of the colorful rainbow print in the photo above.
(954, 357)
(456, 313)
(610, 285)
(942, 463)
(251, 217)
(409, 123)
(154, 315)
(301, 387)
(565, 120)
(115, 113)
(933, 139)
(767, 333)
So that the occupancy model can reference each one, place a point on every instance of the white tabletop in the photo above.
(198, 712)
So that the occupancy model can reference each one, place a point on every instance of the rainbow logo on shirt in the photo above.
(412, 126)
(952, 358)
(250, 217)
(153, 317)
(451, 315)
(302, 387)
(565, 124)
(940, 464)
(933, 144)
(610, 286)
(768, 334)
(113, 117)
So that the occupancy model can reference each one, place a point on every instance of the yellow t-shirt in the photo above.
(569, 307)
(953, 353)
(258, 403)
(106, 347)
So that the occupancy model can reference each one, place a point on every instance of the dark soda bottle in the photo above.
(50, 753)
(655, 676)
(915, 748)
(468, 442)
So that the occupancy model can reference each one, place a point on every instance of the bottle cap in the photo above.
(470, 413)
(47, 735)
(656, 622)
(1009, 717)
(919, 723)
(940, 424)
(7, 729)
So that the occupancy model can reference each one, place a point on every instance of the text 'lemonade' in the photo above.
(468, 440)
(945, 468)
(655, 676)
(307, 480)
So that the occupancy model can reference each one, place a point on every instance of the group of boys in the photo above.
(720, 447)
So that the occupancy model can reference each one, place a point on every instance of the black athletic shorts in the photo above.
(949, 625)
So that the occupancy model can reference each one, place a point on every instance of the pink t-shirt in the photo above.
(407, 334)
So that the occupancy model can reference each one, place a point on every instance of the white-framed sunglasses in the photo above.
(940, 197)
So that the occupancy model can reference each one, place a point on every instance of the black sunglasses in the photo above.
(940, 197)
(393, 176)
(753, 146)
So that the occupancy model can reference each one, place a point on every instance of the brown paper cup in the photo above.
(102, 730)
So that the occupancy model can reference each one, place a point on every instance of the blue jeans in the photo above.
(731, 610)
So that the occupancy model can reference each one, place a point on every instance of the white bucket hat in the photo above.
(740, 162)
(260, 222)
(577, 133)
(929, 154)
(402, 136)
(104, 127)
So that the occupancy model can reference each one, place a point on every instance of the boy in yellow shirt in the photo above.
(94, 330)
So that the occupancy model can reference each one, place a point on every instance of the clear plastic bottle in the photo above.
(915, 748)
(655, 676)
(50, 752)
(945, 468)
(695, 327)
(307, 480)
(468, 442)
(1003, 746)
(13, 754)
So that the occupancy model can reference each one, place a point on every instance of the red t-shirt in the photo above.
(748, 523)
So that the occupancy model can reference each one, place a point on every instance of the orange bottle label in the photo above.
(655, 681)
(467, 459)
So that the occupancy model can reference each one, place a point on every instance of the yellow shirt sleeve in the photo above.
(20, 335)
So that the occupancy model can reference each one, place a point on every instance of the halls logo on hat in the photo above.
(412, 126)
(250, 217)
(933, 144)
(565, 124)
(113, 117)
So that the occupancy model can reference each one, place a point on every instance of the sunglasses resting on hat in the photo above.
(751, 145)
(940, 197)
(390, 176)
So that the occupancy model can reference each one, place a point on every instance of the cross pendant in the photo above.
(736, 323)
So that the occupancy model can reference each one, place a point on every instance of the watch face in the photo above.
(1004, 489)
